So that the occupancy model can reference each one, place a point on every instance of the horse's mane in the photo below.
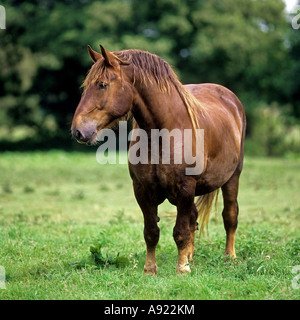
(150, 69)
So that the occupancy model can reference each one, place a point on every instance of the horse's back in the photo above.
(214, 96)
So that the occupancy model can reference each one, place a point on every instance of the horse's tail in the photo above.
(204, 205)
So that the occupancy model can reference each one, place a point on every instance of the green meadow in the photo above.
(70, 228)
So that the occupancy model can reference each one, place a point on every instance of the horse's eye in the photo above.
(102, 85)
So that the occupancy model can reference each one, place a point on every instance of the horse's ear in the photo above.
(108, 57)
(94, 54)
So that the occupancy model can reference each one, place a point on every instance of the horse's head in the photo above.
(107, 96)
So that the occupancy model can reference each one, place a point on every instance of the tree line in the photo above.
(248, 46)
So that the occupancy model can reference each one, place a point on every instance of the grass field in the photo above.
(71, 229)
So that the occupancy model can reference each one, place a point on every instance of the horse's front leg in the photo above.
(151, 229)
(184, 231)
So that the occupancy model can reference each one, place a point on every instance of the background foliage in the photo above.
(248, 46)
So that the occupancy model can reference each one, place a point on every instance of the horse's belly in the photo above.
(213, 179)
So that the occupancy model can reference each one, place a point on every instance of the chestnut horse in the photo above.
(143, 84)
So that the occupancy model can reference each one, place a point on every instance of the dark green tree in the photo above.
(245, 45)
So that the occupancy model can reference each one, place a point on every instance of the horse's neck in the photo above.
(154, 109)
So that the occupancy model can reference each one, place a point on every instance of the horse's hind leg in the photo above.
(230, 211)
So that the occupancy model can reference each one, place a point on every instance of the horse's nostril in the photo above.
(84, 134)
(79, 136)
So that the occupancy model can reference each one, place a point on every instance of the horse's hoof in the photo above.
(230, 255)
(185, 268)
(230, 258)
(150, 270)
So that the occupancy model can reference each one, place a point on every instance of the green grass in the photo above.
(55, 206)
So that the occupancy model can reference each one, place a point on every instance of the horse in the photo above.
(144, 85)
